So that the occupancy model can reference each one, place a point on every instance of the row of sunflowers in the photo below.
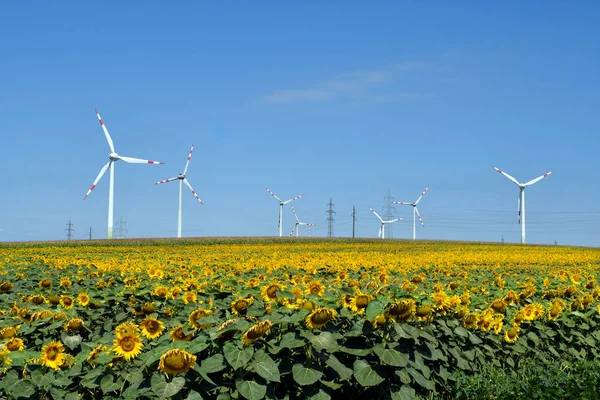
(261, 318)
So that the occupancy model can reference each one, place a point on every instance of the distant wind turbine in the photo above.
(381, 230)
(415, 211)
(113, 158)
(298, 223)
(281, 204)
(521, 201)
(182, 180)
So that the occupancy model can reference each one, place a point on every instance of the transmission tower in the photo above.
(353, 219)
(121, 230)
(330, 218)
(69, 230)
(389, 210)
(90, 233)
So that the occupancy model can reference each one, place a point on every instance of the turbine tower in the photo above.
(298, 223)
(113, 157)
(281, 204)
(381, 228)
(182, 181)
(521, 201)
(415, 211)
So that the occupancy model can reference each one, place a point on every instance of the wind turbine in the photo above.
(381, 230)
(113, 158)
(182, 180)
(298, 223)
(281, 204)
(522, 186)
(415, 211)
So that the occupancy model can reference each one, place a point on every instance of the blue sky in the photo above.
(338, 100)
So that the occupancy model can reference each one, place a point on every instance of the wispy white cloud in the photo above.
(361, 85)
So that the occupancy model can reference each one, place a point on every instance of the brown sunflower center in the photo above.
(67, 301)
(13, 345)
(272, 291)
(240, 305)
(362, 301)
(176, 362)
(127, 344)
(51, 354)
(9, 332)
(320, 317)
(152, 326)
(512, 333)
(315, 290)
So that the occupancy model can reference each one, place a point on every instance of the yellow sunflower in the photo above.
(315, 288)
(65, 282)
(197, 315)
(346, 301)
(96, 353)
(9, 331)
(83, 299)
(471, 320)
(67, 302)
(37, 299)
(5, 361)
(126, 329)
(240, 305)
(14, 344)
(403, 310)
(161, 291)
(74, 324)
(53, 355)
(256, 331)
(176, 361)
(148, 308)
(151, 328)
(45, 283)
(359, 302)
(512, 334)
(189, 297)
(269, 292)
(177, 335)
(319, 317)
(424, 312)
(128, 346)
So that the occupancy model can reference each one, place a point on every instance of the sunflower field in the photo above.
(292, 318)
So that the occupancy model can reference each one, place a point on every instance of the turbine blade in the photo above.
(185, 181)
(188, 160)
(273, 194)
(290, 200)
(422, 194)
(404, 203)
(380, 229)
(377, 215)
(392, 220)
(167, 180)
(419, 215)
(516, 182)
(106, 134)
(102, 172)
(295, 215)
(539, 178)
(132, 160)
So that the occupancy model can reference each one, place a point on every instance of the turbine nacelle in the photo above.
(113, 156)
(181, 176)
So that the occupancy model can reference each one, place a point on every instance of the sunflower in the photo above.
(512, 334)
(269, 292)
(177, 335)
(320, 317)
(45, 283)
(554, 312)
(161, 291)
(65, 282)
(465, 299)
(37, 299)
(5, 361)
(253, 282)
(379, 321)
(9, 331)
(189, 297)
(346, 301)
(240, 305)
(96, 353)
(151, 328)
(197, 315)
(403, 310)
(128, 346)
(59, 316)
(316, 288)
(67, 302)
(53, 355)
(471, 320)
(256, 331)
(6, 287)
(359, 302)
(306, 305)
(83, 299)
(519, 317)
(148, 308)
(126, 329)
(176, 361)
(498, 306)
(74, 324)
(461, 312)
(497, 325)
(424, 312)
(14, 344)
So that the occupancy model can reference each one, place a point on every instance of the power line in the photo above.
(121, 230)
(90, 233)
(330, 218)
(69, 230)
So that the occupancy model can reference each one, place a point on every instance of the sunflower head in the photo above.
(14, 344)
(319, 317)
(269, 292)
(240, 305)
(176, 361)
(37, 299)
(53, 355)
(315, 288)
(177, 335)
(402, 310)
(65, 282)
(197, 315)
(6, 287)
(128, 346)
(151, 328)
(189, 297)
(126, 329)
(256, 331)
(83, 299)
(424, 311)
(512, 334)
(74, 324)
(9, 331)
(359, 302)
(45, 283)
(67, 302)
(148, 308)
(96, 353)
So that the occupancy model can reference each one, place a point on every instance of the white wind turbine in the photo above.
(415, 211)
(381, 228)
(522, 186)
(298, 223)
(113, 158)
(182, 180)
(281, 204)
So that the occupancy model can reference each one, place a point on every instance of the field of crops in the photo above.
(265, 318)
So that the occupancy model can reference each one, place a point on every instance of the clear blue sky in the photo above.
(342, 100)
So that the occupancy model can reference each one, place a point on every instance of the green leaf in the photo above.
(289, 341)
(107, 384)
(392, 357)
(365, 375)
(403, 375)
(343, 371)
(316, 394)
(250, 389)
(235, 357)
(374, 309)
(162, 388)
(20, 388)
(361, 352)
(193, 396)
(71, 341)
(460, 331)
(212, 364)
(305, 376)
(405, 393)
(421, 380)
(324, 341)
(264, 366)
